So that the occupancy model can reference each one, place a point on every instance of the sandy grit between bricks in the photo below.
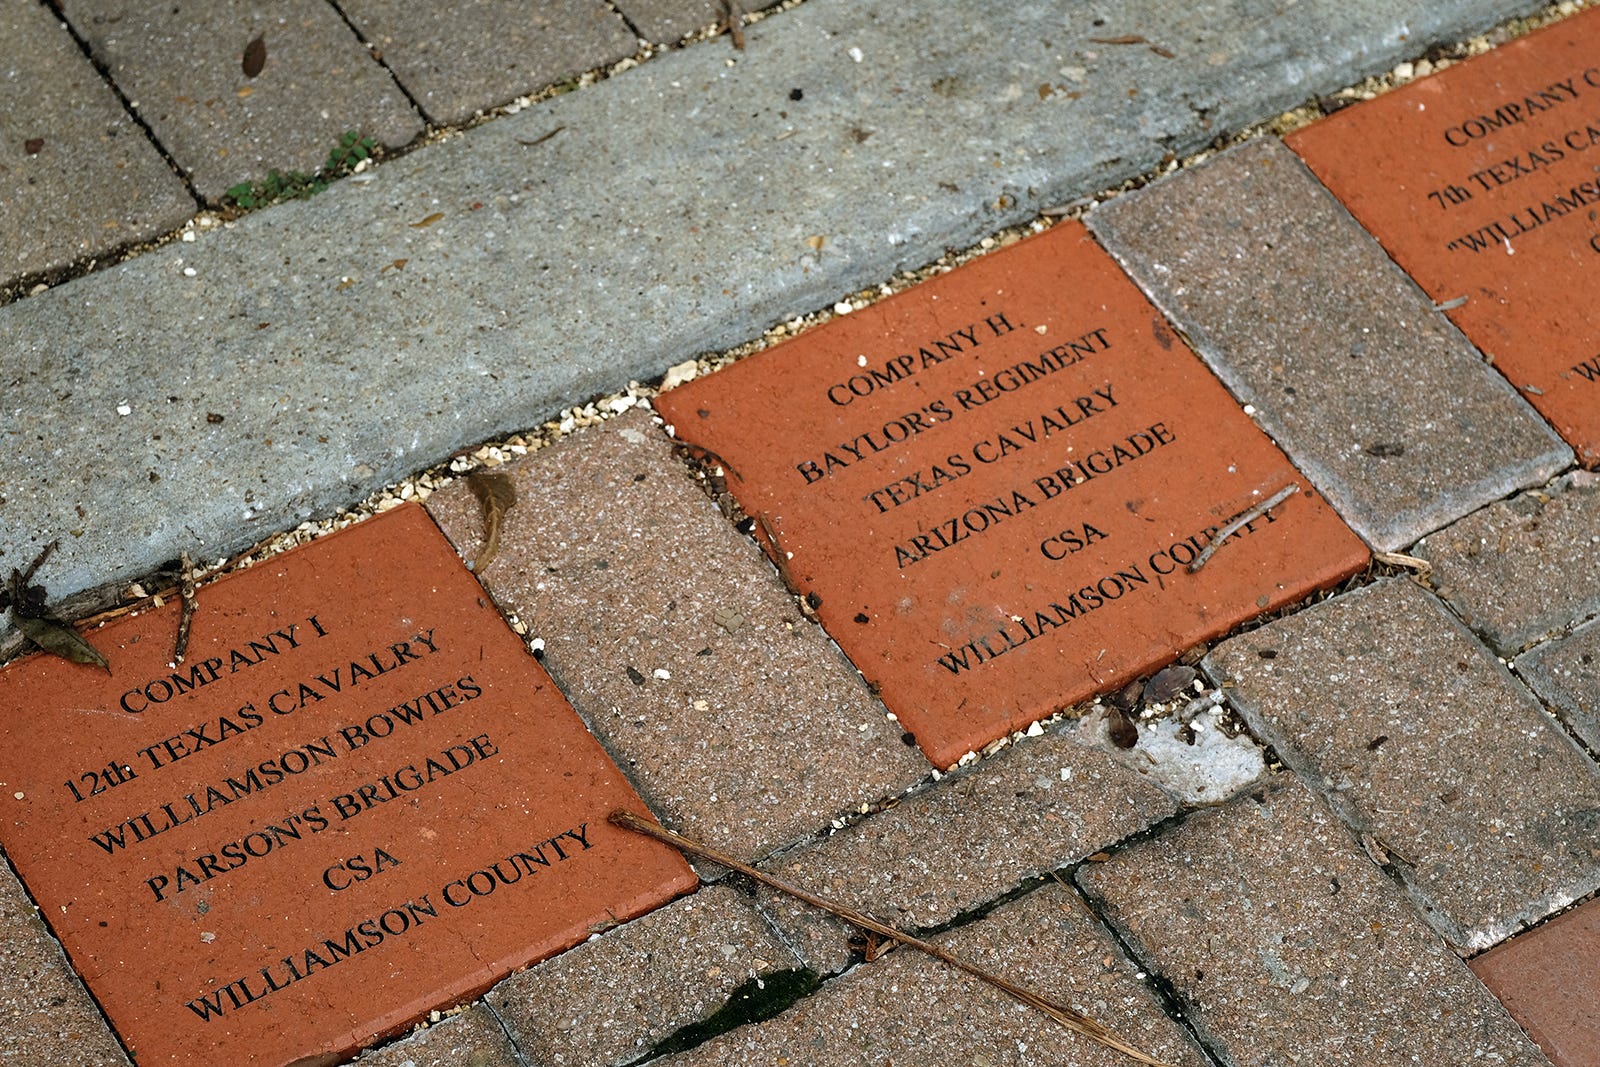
(989, 487)
(359, 799)
(1480, 181)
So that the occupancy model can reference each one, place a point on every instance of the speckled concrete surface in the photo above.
(907, 1008)
(1306, 319)
(461, 58)
(736, 717)
(221, 125)
(1286, 945)
(46, 1016)
(1563, 674)
(664, 21)
(473, 1038)
(73, 164)
(609, 1001)
(1418, 737)
(964, 842)
(1526, 568)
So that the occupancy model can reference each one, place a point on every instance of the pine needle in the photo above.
(1070, 1018)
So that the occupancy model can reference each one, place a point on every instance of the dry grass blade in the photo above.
(1400, 559)
(1070, 1018)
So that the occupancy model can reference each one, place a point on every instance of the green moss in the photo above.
(343, 158)
(755, 1000)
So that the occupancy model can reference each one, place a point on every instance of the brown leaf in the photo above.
(33, 145)
(1169, 683)
(1124, 734)
(255, 56)
(59, 639)
(1128, 698)
(498, 494)
(429, 221)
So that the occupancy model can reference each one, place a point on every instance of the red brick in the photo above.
(1459, 175)
(1549, 979)
(957, 422)
(522, 771)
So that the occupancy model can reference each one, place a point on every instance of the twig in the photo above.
(734, 21)
(542, 139)
(202, 575)
(1243, 519)
(1070, 1018)
(38, 561)
(180, 647)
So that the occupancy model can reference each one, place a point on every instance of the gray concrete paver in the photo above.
(736, 718)
(1304, 316)
(1286, 945)
(615, 997)
(461, 58)
(665, 21)
(1418, 737)
(78, 178)
(1563, 674)
(46, 1016)
(1523, 569)
(470, 1039)
(963, 842)
(908, 1008)
(181, 66)
(660, 221)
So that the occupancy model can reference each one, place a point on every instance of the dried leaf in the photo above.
(498, 495)
(34, 145)
(1129, 697)
(1124, 734)
(429, 221)
(59, 639)
(255, 56)
(1169, 683)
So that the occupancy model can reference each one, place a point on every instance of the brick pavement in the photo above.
(1430, 723)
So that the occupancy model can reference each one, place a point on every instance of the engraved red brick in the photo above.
(1480, 181)
(358, 799)
(990, 486)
